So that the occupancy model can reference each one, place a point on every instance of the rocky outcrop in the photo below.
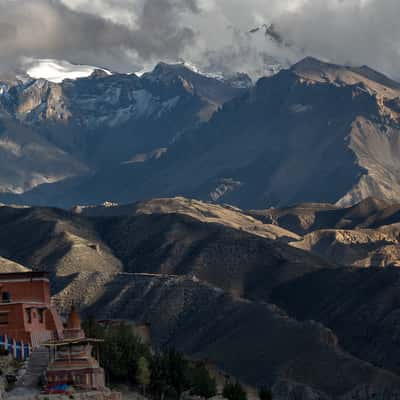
(308, 217)
(359, 248)
(364, 235)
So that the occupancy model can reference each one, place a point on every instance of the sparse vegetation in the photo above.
(169, 375)
(143, 373)
(160, 375)
(120, 352)
(202, 383)
(265, 394)
(234, 391)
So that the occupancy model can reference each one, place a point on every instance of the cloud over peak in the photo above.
(52, 29)
(126, 35)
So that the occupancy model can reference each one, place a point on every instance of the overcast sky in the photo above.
(129, 35)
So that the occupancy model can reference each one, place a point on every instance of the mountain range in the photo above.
(256, 226)
(101, 121)
(316, 132)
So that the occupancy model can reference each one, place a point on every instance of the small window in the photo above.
(29, 315)
(3, 318)
(6, 298)
(41, 315)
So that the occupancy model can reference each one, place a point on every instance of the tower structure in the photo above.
(71, 360)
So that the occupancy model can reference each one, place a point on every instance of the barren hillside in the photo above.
(207, 282)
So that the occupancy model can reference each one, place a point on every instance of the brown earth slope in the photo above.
(254, 341)
(226, 215)
(237, 261)
(308, 217)
(359, 247)
(361, 306)
(210, 242)
(364, 235)
(65, 245)
(11, 266)
(207, 286)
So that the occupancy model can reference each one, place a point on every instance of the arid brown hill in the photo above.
(255, 341)
(364, 235)
(360, 305)
(206, 278)
(308, 217)
(202, 275)
(216, 250)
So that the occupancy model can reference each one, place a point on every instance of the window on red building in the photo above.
(29, 315)
(3, 318)
(6, 298)
(41, 313)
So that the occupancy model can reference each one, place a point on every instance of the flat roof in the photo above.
(23, 275)
(33, 303)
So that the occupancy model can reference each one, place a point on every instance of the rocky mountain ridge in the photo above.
(254, 152)
(364, 235)
(104, 118)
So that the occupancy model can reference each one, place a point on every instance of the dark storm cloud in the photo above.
(354, 32)
(157, 35)
(128, 34)
(50, 29)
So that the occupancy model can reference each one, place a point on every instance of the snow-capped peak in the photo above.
(198, 70)
(238, 80)
(57, 71)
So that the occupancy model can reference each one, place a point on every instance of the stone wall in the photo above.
(92, 395)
